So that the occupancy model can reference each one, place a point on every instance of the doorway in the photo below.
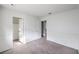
(43, 29)
(15, 29)
(18, 30)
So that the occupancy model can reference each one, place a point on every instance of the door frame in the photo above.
(20, 19)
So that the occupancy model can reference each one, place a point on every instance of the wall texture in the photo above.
(31, 27)
(63, 28)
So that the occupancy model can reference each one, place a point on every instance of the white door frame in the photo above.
(21, 29)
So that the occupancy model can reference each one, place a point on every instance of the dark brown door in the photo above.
(43, 29)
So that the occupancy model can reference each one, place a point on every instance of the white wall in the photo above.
(6, 36)
(63, 28)
(31, 26)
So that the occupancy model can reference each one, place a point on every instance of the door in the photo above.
(43, 29)
(21, 31)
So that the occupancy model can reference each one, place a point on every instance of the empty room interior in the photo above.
(39, 28)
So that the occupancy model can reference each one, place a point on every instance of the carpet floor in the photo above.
(40, 46)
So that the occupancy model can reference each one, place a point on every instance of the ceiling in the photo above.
(40, 9)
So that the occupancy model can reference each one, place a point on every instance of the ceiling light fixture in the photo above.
(12, 4)
(50, 13)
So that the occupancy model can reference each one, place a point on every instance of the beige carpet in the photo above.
(40, 46)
